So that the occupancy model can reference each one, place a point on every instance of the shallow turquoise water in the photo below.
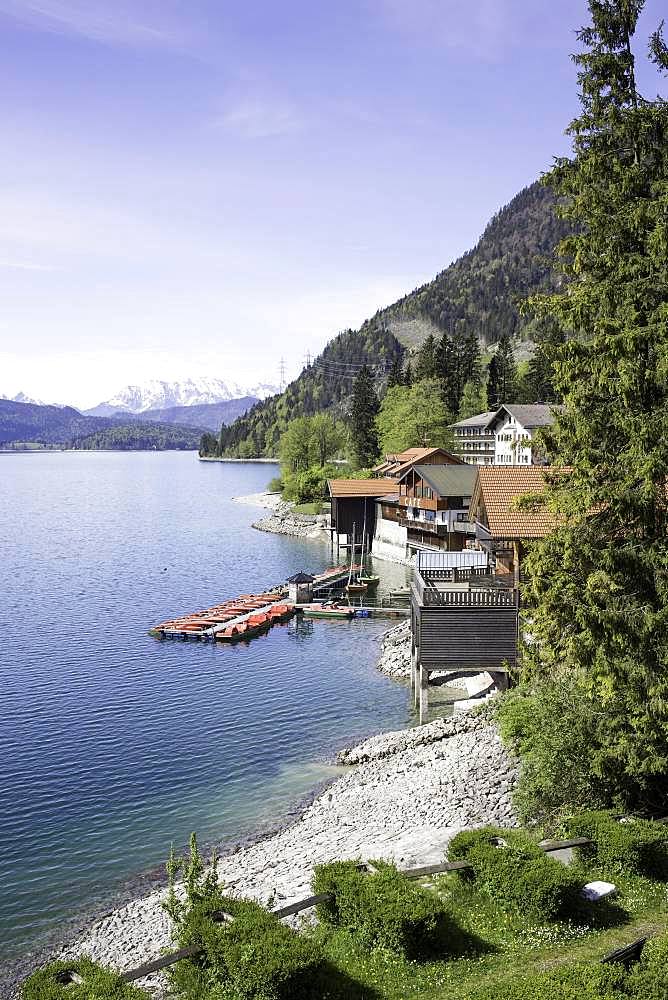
(112, 744)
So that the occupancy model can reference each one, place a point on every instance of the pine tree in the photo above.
(447, 362)
(471, 363)
(395, 375)
(599, 584)
(363, 411)
(493, 383)
(502, 374)
(539, 384)
(426, 364)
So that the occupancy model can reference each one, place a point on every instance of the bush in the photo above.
(255, 957)
(382, 909)
(518, 874)
(308, 485)
(97, 983)
(580, 981)
(275, 485)
(635, 846)
(555, 729)
(648, 980)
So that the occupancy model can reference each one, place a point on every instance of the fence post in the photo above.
(424, 694)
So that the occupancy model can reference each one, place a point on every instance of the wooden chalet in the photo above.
(354, 501)
(394, 466)
(432, 505)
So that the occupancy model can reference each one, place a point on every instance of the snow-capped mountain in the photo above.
(158, 395)
(22, 397)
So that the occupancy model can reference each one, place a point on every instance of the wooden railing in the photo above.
(627, 954)
(470, 598)
(436, 528)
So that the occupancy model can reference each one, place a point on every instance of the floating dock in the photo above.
(249, 615)
(241, 618)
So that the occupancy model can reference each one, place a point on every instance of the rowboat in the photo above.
(327, 611)
(370, 579)
(243, 630)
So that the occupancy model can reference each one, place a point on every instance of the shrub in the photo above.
(518, 874)
(648, 980)
(382, 909)
(556, 730)
(309, 484)
(97, 983)
(579, 981)
(635, 846)
(255, 957)
(275, 485)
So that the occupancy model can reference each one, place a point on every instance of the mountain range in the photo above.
(130, 416)
(160, 396)
(63, 426)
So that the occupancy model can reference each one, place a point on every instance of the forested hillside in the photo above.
(480, 292)
(63, 426)
(138, 436)
(477, 295)
(324, 385)
(46, 425)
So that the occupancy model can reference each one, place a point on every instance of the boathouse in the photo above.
(354, 506)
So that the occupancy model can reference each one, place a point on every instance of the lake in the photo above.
(114, 745)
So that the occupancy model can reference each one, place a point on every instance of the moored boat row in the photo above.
(264, 609)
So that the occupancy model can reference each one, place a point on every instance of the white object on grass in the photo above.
(594, 891)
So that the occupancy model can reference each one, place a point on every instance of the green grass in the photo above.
(494, 945)
(308, 508)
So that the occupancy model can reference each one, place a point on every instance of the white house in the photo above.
(513, 426)
(473, 442)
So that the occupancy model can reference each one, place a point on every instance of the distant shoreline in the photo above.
(93, 451)
(265, 461)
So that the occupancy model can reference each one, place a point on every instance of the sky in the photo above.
(194, 187)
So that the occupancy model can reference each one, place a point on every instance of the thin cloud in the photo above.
(484, 27)
(111, 22)
(21, 265)
(260, 117)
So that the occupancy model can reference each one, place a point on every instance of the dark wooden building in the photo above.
(462, 619)
(354, 505)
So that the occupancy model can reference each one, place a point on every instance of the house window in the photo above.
(402, 489)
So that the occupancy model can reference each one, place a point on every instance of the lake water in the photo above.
(113, 744)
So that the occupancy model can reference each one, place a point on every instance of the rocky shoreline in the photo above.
(403, 797)
(283, 519)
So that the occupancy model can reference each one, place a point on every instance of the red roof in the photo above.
(351, 488)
